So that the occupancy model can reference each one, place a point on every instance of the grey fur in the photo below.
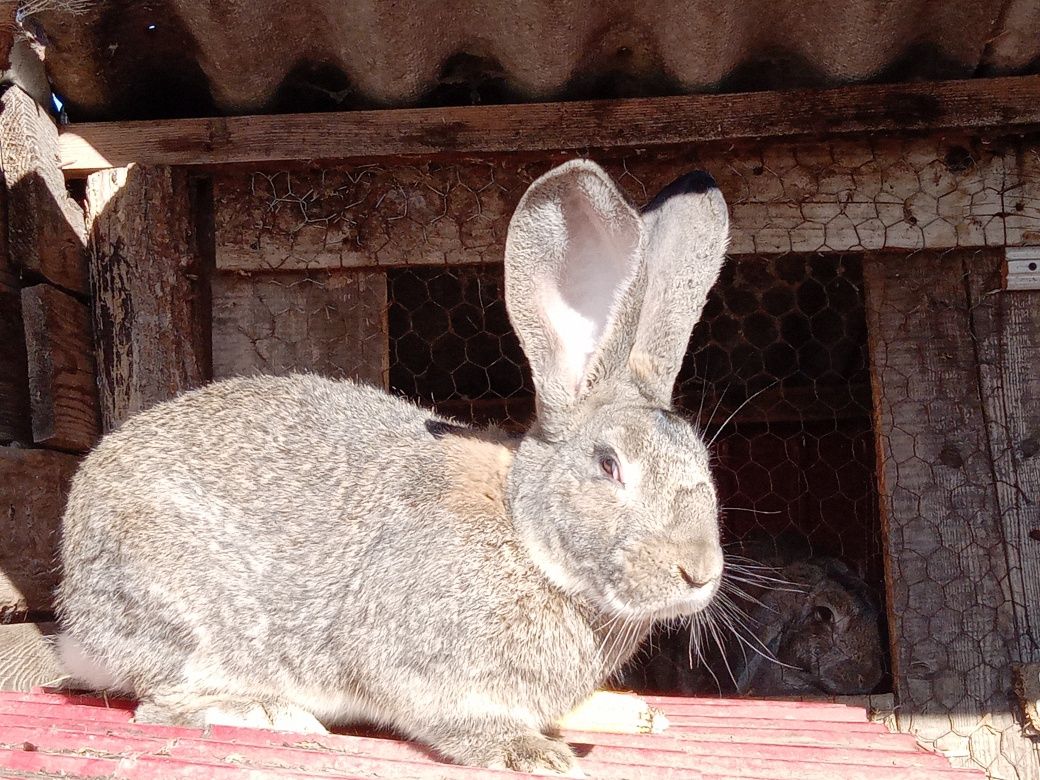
(273, 549)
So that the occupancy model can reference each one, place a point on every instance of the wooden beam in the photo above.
(14, 377)
(951, 618)
(333, 324)
(1007, 103)
(841, 195)
(62, 374)
(150, 304)
(33, 486)
(1006, 332)
(46, 235)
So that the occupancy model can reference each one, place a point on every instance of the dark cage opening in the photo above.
(777, 375)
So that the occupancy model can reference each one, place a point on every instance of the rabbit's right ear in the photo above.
(573, 254)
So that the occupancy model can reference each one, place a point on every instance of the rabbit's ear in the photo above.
(687, 229)
(572, 268)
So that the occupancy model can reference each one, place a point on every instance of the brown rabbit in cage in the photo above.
(806, 625)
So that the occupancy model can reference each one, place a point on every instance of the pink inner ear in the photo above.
(602, 239)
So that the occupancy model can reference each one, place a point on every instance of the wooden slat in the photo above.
(1010, 103)
(62, 374)
(812, 743)
(842, 195)
(333, 324)
(150, 303)
(45, 226)
(14, 379)
(33, 484)
(1006, 326)
(950, 619)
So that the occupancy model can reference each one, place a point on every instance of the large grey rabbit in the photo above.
(297, 551)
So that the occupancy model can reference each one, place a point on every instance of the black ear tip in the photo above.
(695, 182)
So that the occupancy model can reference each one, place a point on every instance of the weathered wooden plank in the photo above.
(33, 485)
(45, 226)
(785, 196)
(14, 378)
(950, 617)
(1006, 328)
(8, 272)
(637, 123)
(62, 374)
(333, 324)
(150, 306)
(27, 657)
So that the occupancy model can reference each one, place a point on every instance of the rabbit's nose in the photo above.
(692, 581)
(703, 567)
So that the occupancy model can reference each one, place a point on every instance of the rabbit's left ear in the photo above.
(687, 228)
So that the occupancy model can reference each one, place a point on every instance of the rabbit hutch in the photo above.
(198, 191)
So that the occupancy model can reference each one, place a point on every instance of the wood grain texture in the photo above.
(46, 234)
(14, 377)
(1006, 329)
(643, 122)
(62, 373)
(842, 195)
(150, 301)
(328, 323)
(27, 657)
(33, 486)
(8, 272)
(950, 613)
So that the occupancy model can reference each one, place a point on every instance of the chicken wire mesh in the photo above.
(795, 354)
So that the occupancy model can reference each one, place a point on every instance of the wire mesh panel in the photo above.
(777, 373)
(452, 346)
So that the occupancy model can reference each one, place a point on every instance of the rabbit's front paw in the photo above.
(612, 712)
(264, 715)
(539, 755)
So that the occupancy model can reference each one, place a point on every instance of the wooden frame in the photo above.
(1011, 103)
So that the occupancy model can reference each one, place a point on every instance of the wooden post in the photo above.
(33, 485)
(14, 382)
(148, 274)
(62, 377)
(45, 226)
(951, 617)
(1006, 331)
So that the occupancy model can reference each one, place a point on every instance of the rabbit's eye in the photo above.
(823, 614)
(610, 467)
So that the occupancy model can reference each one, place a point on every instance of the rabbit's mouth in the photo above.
(690, 601)
(696, 600)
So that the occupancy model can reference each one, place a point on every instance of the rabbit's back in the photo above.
(276, 443)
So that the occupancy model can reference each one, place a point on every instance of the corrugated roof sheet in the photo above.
(43, 735)
(152, 58)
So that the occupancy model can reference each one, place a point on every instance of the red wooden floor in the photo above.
(53, 735)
